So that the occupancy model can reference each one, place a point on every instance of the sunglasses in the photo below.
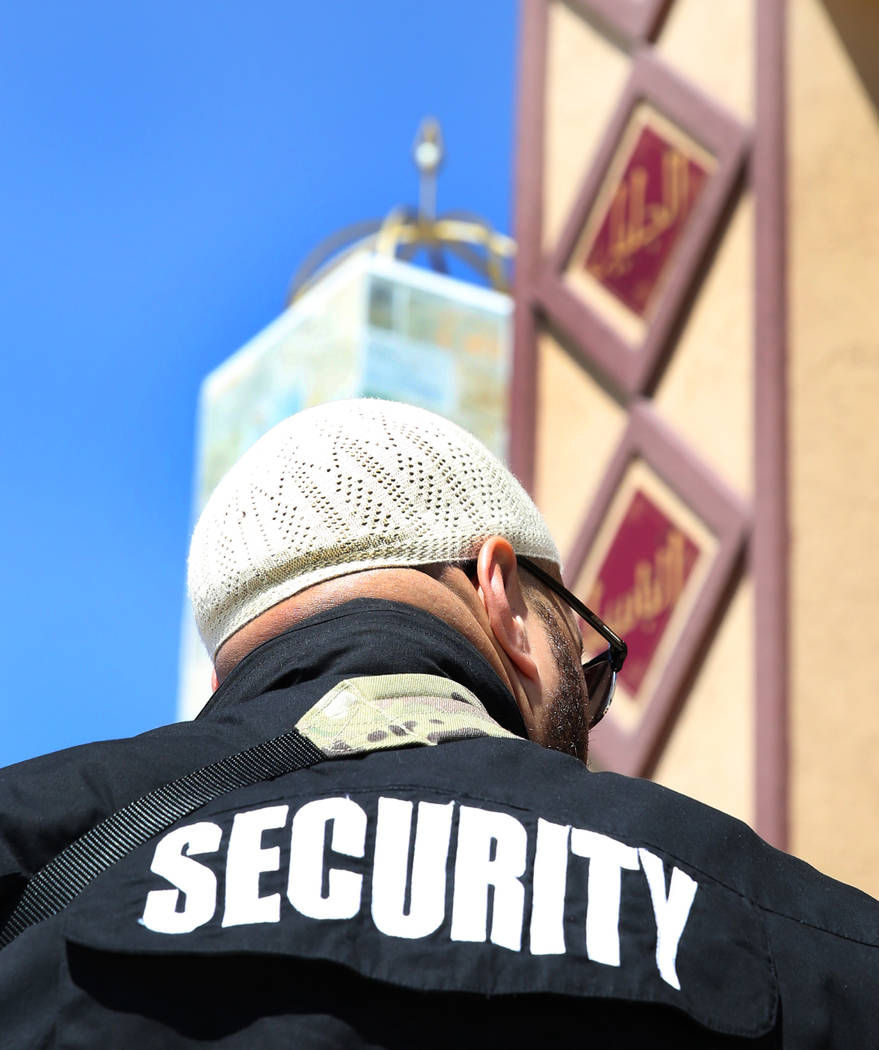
(601, 671)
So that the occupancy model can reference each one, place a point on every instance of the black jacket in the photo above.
(480, 889)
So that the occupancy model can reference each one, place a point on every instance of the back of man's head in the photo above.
(343, 488)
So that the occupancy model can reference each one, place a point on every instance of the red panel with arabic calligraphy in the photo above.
(644, 220)
(641, 581)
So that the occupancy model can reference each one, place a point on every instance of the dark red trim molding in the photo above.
(769, 555)
(528, 196)
(636, 21)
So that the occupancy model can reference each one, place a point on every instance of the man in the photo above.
(408, 867)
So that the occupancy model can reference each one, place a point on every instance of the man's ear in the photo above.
(500, 591)
(215, 682)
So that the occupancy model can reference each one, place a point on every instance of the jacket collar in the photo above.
(366, 636)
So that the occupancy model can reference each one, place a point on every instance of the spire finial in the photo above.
(428, 153)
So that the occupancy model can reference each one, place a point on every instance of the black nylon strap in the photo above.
(57, 883)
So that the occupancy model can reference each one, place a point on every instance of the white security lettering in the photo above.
(195, 881)
(550, 879)
(427, 904)
(307, 848)
(671, 912)
(607, 858)
(410, 874)
(245, 861)
(476, 869)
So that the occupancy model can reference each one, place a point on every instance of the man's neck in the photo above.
(367, 636)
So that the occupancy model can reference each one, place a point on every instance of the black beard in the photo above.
(567, 727)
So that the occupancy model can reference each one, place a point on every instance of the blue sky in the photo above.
(165, 168)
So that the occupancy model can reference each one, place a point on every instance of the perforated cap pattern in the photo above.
(345, 487)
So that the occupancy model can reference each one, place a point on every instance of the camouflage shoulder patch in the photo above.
(380, 712)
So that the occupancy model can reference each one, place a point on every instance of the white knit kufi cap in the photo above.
(344, 487)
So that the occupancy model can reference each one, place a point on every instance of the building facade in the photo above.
(695, 378)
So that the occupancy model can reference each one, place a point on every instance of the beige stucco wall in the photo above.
(585, 78)
(707, 390)
(834, 450)
(710, 755)
(578, 429)
(711, 43)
